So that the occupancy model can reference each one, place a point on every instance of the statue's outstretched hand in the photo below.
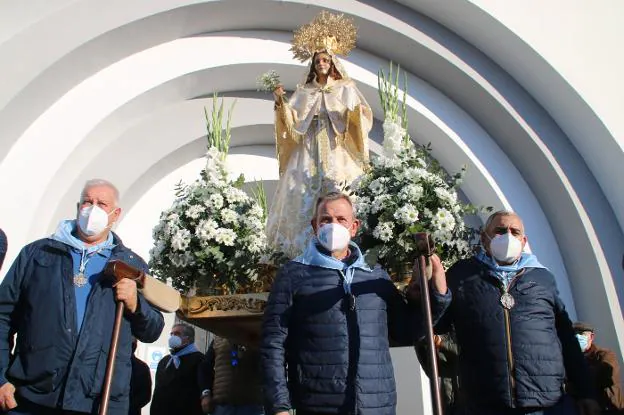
(278, 93)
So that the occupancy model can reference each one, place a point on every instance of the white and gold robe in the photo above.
(322, 144)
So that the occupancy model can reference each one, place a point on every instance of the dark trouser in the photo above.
(299, 412)
(25, 407)
(564, 407)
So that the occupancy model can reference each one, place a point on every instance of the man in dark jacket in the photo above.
(327, 320)
(230, 380)
(177, 389)
(516, 341)
(4, 245)
(62, 307)
(447, 352)
(140, 383)
(604, 370)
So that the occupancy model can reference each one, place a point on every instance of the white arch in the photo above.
(572, 182)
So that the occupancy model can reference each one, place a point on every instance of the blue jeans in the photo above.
(238, 410)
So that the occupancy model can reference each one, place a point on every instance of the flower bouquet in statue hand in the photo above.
(268, 81)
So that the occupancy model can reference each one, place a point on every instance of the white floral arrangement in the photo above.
(213, 235)
(405, 192)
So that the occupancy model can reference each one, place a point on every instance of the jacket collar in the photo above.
(60, 239)
(313, 256)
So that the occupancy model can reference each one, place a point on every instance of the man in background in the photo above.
(230, 379)
(177, 390)
(604, 370)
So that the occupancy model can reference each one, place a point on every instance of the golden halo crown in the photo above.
(329, 32)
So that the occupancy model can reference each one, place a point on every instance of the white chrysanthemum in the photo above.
(173, 217)
(234, 195)
(414, 174)
(194, 211)
(383, 231)
(362, 207)
(225, 236)
(411, 192)
(157, 249)
(443, 220)
(377, 186)
(256, 210)
(446, 195)
(181, 240)
(407, 214)
(206, 229)
(158, 229)
(182, 260)
(229, 216)
(441, 235)
(422, 162)
(215, 201)
(379, 203)
(255, 244)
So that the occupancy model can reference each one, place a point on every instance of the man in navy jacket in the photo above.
(328, 319)
(62, 307)
(516, 341)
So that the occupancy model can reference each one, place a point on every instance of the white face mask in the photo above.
(175, 342)
(93, 220)
(334, 237)
(505, 248)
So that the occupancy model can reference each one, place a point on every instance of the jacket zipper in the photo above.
(510, 361)
(511, 367)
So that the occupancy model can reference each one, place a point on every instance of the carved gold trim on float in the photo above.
(224, 305)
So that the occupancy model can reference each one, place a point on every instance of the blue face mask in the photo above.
(583, 341)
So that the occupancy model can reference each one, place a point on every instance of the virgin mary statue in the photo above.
(321, 132)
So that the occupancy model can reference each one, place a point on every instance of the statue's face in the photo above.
(322, 63)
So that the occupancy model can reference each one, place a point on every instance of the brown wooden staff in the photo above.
(154, 291)
(424, 248)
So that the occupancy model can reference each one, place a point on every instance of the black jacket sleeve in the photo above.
(3, 246)
(573, 359)
(140, 384)
(274, 334)
(205, 371)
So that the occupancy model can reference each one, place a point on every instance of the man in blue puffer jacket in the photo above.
(516, 341)
(62, 307)
(328, 319)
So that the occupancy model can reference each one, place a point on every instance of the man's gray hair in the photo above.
(497, 214)
(97, 183)
(187, 331)
(329, 197)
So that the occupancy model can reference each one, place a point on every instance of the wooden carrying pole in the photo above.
(424, 246)
(155, 292)
(110, 363)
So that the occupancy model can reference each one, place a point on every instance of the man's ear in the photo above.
(354, 227)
